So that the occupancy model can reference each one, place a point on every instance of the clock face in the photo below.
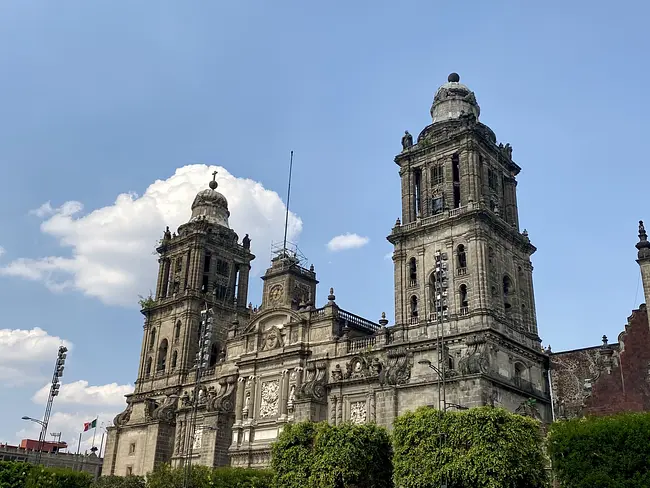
(276, 293)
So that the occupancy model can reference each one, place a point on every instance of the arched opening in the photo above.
(463, 297)
(519, 374)
(174, 359)
(414, 309)
(461, 259)
(177, 331)
(413, 272)
(152, 338)
(147, 370)
(214, 354)
(450, 362)
(507, 291)
(162, 355)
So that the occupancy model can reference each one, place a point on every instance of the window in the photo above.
(132, 449)
(214, 355)
(129, 470)
(492, 179)
(414, 306)
(177, 331)
(507, 290)
(437, 175)
(162, 355)
(206, 262)
(519, 372)
(463, 296)
(152, 338)
(455, 167)
(437, 205)
(417, 191)
(413, 272)
(179, 264)
(174, 359)
(461, 257)
(222, 267)
(204, 285)
(220, 292)
(148, 368)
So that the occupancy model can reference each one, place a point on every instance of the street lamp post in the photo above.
(54, 391)
(201, 362)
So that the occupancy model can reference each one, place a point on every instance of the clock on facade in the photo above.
(275, 294)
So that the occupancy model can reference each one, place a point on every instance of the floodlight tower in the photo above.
(54, 391)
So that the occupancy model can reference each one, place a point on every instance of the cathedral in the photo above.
(218, 380)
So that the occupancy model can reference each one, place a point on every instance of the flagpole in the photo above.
(101, 444)
(94, 431)
(79, 445)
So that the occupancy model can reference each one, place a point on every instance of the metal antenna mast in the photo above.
(286, 217)
(54, 391)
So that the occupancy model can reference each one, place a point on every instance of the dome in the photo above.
(211, 206)
(452, 100)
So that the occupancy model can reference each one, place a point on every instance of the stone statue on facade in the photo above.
(407, 140)
(246, 242)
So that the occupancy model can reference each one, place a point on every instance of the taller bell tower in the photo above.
(462, 265)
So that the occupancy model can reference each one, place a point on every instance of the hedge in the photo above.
(308, 455)
(46, 477)
(119, 482)
(482, 447)
(602, 452)
(203, 477)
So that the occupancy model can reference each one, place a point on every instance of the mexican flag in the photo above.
(90, 425)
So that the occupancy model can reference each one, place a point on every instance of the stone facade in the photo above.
(465, 331)
(610, 378)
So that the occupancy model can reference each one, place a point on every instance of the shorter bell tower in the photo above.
(288, 283)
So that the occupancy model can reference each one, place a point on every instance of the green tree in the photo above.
(478, 448)
(13, 474)
(324, 456)
(42, 477)
(602, 452)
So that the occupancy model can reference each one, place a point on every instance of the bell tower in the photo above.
(462, 266)
(201, 266)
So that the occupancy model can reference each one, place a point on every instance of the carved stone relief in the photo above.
(314, 384)
(270, 398)
(398, 367)
(358, 412)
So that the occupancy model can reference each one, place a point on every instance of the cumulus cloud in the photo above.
(80, 393)
(346, 241)
(25, 353)
(110, 248)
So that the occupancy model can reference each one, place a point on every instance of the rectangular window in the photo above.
(206, 262)
(437, 175)
(129, 470)
(437, 205)
(222, 267)
(132, 449)
(221, 292)
(492, 179)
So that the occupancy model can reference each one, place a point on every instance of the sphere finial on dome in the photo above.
(213, 184)
(453, 78)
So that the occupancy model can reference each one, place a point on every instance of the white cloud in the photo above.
(80, 393)
(24, 354)
(2, 250)
(346, 241)
(111, 247)
(43, 211)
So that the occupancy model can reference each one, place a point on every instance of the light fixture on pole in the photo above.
(54, 391)
(201, 362)
(439, 293)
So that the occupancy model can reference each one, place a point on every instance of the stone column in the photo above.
(333, 402)
(252, 408)
(242, 285)
(239, 401)
(284, 393)
(159, 288)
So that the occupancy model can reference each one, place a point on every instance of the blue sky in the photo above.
(104, 98)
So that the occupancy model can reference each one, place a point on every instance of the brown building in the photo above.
(609, 378)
